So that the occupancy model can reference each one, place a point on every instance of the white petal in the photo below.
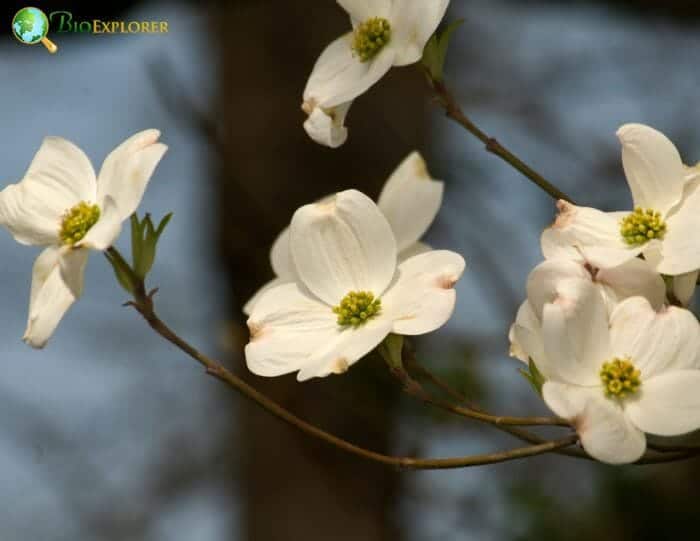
(633, 278)
(410, 200)
(684, 286)
(543, 281)
(361, 10)
(525, 337)
(291, 330)
(327, 126)
(59, 177)
(103, 234)
(50, 296)
(250, 305)
(128, 168)
(422, 299)
(416, 248)
(680, 248)
(555, 245)
(575, 331)
(653, 167)
(596, 234)
(606, 433)
(348, 347)
(281, 257)
(412, 24)
(339, 76)
(343, 244)
(667, 404)
(655, 341)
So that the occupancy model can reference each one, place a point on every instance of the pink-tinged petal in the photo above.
(326, 126)
(667, 404)
(655, 341)
(525, 337)
(51, 295)
(606, 433)
(339, 76)
(342, 244)
(575, 331)
(680, 248)
(361, 10)
(250, 305)
(103, 234)
(412, 23)
(543, 281)
(631, 279)
(291, 330)
(127, 170)
(556, 245)
(59, 177)
(422, 298)
(594, 233)
(684, 286)
(653, 167)
(410, 200)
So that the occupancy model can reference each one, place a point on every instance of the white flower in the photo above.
(350, 294)
(62, 205)
(385, 33)
(617, 377)
(667, 210)
(632, 278)
(409, 200)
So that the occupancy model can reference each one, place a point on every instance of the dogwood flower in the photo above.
(617, 377)
(385, 33)
(666, 214)
(61, 205)
(350, 293)
(633, 278)
(409, 200)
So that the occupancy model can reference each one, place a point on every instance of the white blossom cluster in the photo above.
(605, 321)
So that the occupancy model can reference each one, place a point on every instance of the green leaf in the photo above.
(122, 271)
(435, 51)
(533, 376)
(144, 239)
(136, 241)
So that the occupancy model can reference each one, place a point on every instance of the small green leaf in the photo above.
(136, 241)
(150, 243)
(435, 51)
(533, 376)
(122, 271)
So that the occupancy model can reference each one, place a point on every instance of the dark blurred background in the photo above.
(111, 434)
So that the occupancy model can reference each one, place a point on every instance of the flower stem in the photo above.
(454, 111)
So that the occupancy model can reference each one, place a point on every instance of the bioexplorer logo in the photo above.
(30, 26)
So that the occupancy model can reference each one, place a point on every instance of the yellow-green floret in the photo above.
(356, 308)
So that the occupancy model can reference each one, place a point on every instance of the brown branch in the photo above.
(454, 111)
(143, 303)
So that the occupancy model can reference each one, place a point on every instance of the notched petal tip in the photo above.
(255, 329)
(340, 366)
(566, 214)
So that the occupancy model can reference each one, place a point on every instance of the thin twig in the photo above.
(658, 454)
(454, 111)
(143, 303)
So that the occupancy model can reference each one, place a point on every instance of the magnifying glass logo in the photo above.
(30, 26)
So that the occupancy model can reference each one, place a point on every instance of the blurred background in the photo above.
(112, 434)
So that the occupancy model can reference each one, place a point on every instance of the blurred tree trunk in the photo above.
(295, 487)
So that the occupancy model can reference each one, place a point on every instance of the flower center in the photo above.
(77, 221)
(356, 308)
(641, 226)
(370, 37)
(620, 378)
